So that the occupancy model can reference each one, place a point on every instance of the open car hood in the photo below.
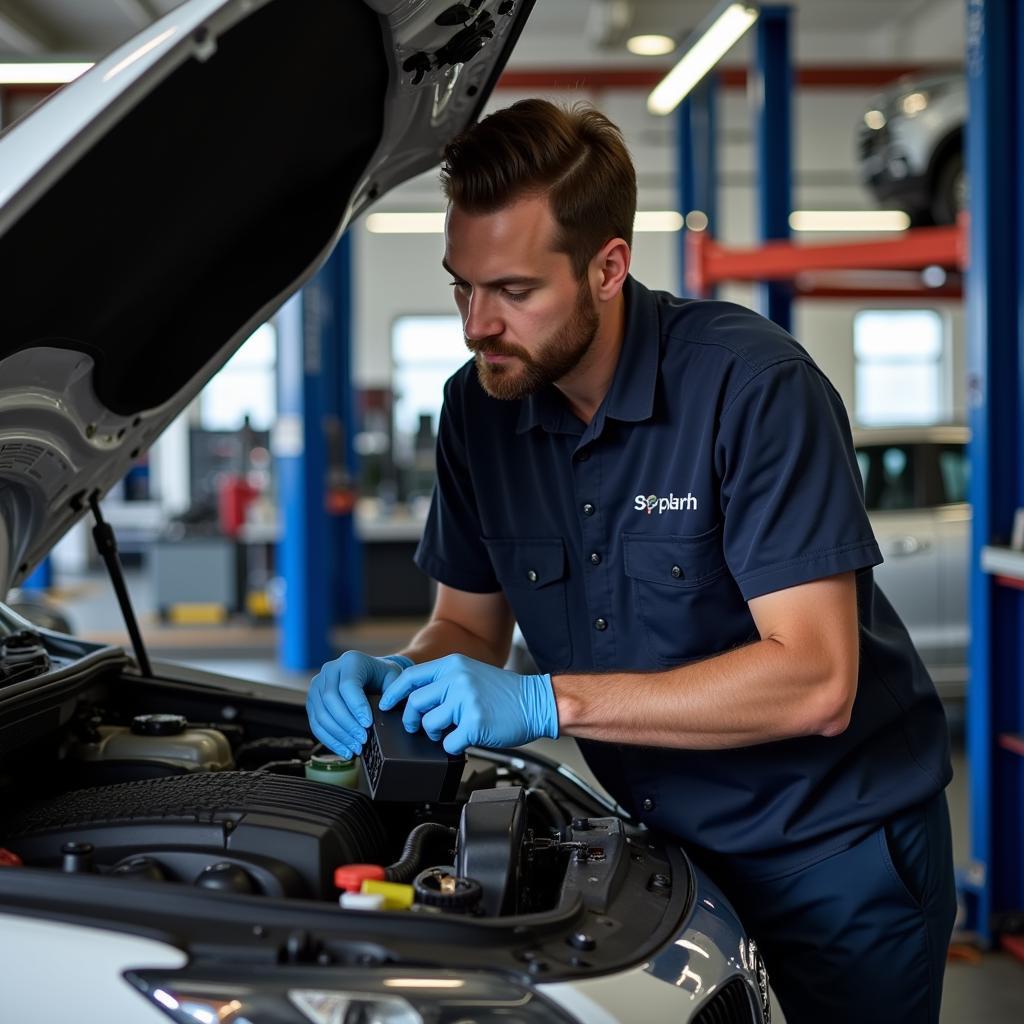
(157, 210)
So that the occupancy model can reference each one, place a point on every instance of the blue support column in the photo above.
(340, 424)
(319, 554)
(994, 311)
(771, 96)
(300, 460)
(697, 167)
(42, 576)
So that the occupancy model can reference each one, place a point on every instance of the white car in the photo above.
(915, 489)
(169, 840)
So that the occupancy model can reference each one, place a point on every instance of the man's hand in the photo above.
(488, 706)
(339, 713)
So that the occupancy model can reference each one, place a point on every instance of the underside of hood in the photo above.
(205, 172)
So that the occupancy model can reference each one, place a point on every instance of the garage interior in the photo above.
(272, 526)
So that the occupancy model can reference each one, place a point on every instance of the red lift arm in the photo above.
(708, 263)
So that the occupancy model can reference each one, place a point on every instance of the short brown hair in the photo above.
(576, 156)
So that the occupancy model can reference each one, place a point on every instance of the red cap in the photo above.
(8, 859)
(350, 877)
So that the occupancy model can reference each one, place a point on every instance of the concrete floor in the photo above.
(989, 991)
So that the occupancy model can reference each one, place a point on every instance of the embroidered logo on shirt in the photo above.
(669, 504)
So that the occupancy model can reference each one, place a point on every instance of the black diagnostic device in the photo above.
(404, 766)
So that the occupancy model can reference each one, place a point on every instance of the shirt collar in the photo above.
(631, 395)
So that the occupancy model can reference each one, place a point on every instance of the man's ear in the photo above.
(608, 269)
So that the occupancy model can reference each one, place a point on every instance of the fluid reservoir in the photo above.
(334, 770)
(165, 739)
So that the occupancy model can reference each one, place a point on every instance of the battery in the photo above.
(404, 766)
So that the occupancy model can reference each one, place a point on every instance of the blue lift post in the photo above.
(697, 164)
(340, 425)
(771, 96)
(314, 333)
(42, 576)
(994, 308)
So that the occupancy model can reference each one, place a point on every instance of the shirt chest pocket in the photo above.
(681, 592)
(532, 573)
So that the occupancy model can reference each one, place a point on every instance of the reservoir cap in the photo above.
(159, 725)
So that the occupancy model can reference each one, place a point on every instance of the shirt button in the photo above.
(600, 625)
(648, 804)
(588, 509)
(582, 456)
(676, 571)
(532, 575)
(595, 558)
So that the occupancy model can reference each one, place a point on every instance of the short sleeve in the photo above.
(792, 497)
(451, 550)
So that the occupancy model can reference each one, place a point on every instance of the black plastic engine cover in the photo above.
(490, 847)
(287, 833)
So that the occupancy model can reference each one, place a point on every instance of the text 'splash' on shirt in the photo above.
(719, 467)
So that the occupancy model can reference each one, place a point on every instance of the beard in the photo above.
(558, 355)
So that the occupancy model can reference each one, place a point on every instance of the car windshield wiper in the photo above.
(106, 545)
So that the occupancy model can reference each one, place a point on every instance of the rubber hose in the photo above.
(559, 819)
(413, 861)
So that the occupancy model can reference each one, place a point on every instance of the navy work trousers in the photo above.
(861, 935)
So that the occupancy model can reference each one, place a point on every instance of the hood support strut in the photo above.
(106, 545)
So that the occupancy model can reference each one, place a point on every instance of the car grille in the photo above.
(871, 141)
(730, 1005)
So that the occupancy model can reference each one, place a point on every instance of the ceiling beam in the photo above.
(826, 76)
(23, 33)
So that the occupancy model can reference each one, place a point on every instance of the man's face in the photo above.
(525, 315)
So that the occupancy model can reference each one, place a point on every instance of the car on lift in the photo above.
(172, 842)
(916, 483)
(910, 148)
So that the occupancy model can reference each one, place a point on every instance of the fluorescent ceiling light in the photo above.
(433, 223)
(849, 220)
(650, 46)
(42, 73)
(658, 220)
(702, 54)
(405, 223)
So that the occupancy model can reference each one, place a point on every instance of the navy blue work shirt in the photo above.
(718, 468)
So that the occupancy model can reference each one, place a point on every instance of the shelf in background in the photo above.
(1005, 564)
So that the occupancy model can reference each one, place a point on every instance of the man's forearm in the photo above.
(441, 637)
(754, 694)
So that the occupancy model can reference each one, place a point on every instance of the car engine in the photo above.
(161, 799)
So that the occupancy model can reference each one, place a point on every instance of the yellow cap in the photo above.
(396, 896)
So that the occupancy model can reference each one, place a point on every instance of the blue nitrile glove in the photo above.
(489, 706)
(339, 713)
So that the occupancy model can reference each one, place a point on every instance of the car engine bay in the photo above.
(171, 784)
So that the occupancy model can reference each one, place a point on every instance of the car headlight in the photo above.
(913, 103)
(327, 995)
(756, 966)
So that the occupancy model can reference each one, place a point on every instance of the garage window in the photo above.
(245, 386)
(901, 367)
(426, 351)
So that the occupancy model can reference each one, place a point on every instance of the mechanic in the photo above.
(663, 493)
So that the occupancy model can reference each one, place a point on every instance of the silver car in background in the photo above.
(910, 147)
(915, 489)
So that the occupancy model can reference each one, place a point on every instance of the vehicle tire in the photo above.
(950, 194)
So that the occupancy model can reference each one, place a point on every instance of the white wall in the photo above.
(401, 274)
